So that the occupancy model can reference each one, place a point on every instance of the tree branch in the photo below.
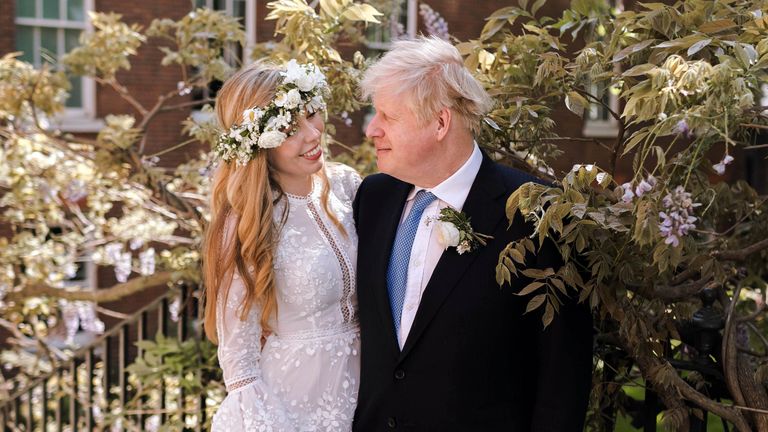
(124, 93)
(743, 253)
(113, 293)
(672, 292)
(186, 104)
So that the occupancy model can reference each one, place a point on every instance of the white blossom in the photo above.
(123, 267)
(113, 252)
(271, 139)
(463, 247)
(147, 262)
(292, 99)
(252, 115)
(447, 234)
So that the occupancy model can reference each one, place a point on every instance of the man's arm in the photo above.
(563, 359)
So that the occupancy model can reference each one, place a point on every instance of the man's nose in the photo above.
(373, 130)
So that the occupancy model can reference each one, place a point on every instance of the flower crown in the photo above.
(267, 127)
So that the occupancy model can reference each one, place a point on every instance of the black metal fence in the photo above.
(79, 394)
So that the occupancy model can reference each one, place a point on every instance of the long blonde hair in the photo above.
(245, 194)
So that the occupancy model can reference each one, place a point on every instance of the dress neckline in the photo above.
(303, 198)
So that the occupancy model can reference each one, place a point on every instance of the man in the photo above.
(444, 348)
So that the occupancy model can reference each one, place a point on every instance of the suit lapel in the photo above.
(392, 209)
(485, 208)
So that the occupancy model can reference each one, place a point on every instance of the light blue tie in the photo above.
(397, 272)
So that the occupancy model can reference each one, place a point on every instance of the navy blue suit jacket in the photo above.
(473, 361)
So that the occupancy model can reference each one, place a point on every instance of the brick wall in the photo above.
(7, 14)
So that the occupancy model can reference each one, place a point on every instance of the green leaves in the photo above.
(198, 41)
(22, 85)
(105, 51)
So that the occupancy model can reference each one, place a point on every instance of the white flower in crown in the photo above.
(293, 71)
(281, 121)
(289, 100)
(271, 139)
(316, 104)
(300, 91)
(253, 115)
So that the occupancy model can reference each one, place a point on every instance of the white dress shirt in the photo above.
(426, 250)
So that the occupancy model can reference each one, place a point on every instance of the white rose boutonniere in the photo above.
(454, 230)
(447, 234)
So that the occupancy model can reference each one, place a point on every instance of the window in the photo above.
(403, 21)
(235, 55)
(598, 121)
(45, 31)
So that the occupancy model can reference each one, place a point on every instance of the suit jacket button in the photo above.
(391, 422)
(399, 374)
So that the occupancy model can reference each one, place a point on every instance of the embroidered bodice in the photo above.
(305, 377)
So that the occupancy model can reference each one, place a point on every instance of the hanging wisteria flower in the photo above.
(677, 219)
(682, 128)
(720, 166)
(147, 262)
(645, 186)
(267, 127)
(434, 23)
(123, 267)
(628, 194)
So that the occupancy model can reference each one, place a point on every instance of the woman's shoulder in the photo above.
(343, 178)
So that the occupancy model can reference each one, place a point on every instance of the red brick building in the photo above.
(49, 28)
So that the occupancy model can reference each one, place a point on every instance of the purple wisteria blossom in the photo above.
(720, 166)
(682, 128)
(630, 192)
(433, 22)
(677, 219)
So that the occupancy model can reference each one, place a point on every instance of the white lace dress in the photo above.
(306, 376)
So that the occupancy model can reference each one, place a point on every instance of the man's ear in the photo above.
(444, 118)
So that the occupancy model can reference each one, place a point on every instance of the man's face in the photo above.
(405, 149)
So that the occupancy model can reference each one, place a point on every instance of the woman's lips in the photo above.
(313, 154)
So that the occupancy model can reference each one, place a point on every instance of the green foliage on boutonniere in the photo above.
(454, 230)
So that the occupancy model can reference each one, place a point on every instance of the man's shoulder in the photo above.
(513, 178)
(379, 182)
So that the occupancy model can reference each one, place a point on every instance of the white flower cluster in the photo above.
(645, 186)
(434, 23)
(113, 254)
(78, 315)
(677, 219)
(267, 127)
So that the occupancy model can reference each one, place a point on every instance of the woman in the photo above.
(279, 259)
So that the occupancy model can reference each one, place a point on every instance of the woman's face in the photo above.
(301, 154)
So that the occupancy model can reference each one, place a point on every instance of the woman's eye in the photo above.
(312, 114)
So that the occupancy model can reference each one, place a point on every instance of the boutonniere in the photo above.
(454, 230)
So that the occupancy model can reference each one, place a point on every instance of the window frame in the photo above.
(81, 119)
(249, 24)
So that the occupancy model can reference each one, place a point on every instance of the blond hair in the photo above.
(430, 75)
(242, 233)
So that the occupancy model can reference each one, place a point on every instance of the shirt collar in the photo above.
(454, 189)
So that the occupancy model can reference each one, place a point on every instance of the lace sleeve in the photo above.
(239, 340)
(250, 402)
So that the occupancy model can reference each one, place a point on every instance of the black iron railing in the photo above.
(80, 393)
